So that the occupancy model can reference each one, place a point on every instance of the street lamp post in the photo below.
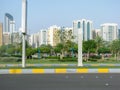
(24, 30)
(23, 51)
(80, 36)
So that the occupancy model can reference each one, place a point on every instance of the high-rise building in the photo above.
(109, 31)
(69, 33)
(9, 28)
(43, 37)
(34, 40)
(1, 34)
(119, 33)
(86, 27)
(38, 39)
(9, 23)
(6, 38)
(95, 33)
(16, 37)
(52, 35)
(49, 36)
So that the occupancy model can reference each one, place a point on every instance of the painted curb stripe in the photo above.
(105, 70)
(82, 70)
(38, 71)
(15, 71)
(60, 71)
(64, 70)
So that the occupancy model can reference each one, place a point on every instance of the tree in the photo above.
(10, 50)
(65, 40)
(3, 49)
(45, 49)
(99, 42)
(68, 46)
(103, 50)
(115, 48)
(58, 47)
(88, 47)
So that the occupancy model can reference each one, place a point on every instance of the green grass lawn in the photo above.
(55, 61)
(61, 67)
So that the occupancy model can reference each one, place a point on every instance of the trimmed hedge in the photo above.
(52, 57)
(65, 59)
(96, 57)
(17, 56)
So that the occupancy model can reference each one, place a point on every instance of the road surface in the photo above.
(60, 82)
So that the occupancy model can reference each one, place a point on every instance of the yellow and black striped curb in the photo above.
(43, 71)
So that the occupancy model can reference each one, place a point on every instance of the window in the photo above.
(78, 24)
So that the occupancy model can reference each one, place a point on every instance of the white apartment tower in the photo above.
(109, 31)
(42, 37)
(52, 35)
(38, 39)
(86, 27)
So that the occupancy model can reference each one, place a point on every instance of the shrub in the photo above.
(95, 57)
(65, 59)
(52, 57)
(17, 56)
(4, 55)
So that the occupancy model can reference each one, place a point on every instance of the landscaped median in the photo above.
(58, 71)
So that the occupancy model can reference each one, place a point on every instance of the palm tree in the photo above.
(115, 47)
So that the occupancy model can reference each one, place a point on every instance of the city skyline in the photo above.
(45, 13)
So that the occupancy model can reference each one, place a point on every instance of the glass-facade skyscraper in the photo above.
(1, 34)
(9, 23)
(9, 29)
(86, 27)
(119, 33)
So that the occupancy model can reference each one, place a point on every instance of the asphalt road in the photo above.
(60, 82)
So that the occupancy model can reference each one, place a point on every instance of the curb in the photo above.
(58, 71)
(55, 65)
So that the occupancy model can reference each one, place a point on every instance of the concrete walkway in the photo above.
(55, 65)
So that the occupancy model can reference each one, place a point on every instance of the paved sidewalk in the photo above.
(55, 65)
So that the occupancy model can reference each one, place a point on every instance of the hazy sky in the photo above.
(44, 13)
